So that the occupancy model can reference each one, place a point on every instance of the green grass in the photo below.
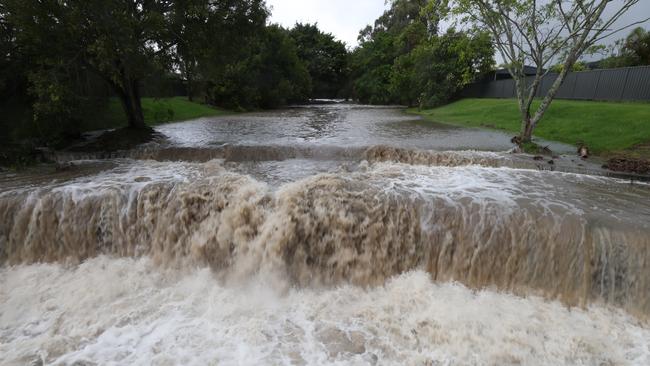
(605, 127)
(156, 111)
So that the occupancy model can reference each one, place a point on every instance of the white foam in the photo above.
(127, 311)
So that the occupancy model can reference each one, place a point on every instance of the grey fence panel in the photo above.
(493, 89)
(638, 84)
(477, 90)
(501, 87)
(547, 82)
(482, 89)
(611, 84)
(586, 84)
(509, 89)
(632, 83)
(470, 91)
(567, 88)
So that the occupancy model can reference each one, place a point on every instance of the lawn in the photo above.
(156, 111)
(606, 127)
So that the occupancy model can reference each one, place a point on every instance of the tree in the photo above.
(325, 57)
(210, 35)
(396, 32)
(403, 58)
(438, 68)
(371, 65)
(578, 66)
(637, 46)
(7, 48)
(13, 80)
(120, 41)
(269, 74)
(528, 31)
(634, 50)
(188, 21)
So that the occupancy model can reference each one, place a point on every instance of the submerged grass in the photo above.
(156, 111)
(607, 128)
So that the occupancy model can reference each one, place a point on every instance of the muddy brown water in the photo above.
(320, 235)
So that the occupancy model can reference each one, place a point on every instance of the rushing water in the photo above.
(322, 235)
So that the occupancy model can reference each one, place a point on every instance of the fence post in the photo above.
(597, 85)
(627, 75)
(575, 85)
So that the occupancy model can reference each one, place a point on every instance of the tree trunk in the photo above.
(187, 69)
(189, 74)
(131, 103)
(526, 130)
(190, 88)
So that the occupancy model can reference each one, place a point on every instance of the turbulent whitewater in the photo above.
(322, 253)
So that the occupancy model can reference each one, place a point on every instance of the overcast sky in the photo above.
(345, 18)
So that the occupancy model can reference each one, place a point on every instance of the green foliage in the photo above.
(372, 66)
(213, 40)
(637, 46)
(326, 60)
(578, 66)
(121, 42)
(403, 60)
(270, 76)
(605, 127)
(231, 58)
(438, 68)
(631, 51)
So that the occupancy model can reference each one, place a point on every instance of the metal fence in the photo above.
(624, 84)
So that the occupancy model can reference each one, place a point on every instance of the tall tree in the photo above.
(403, 58)
(371, 65)
(13, 78)
(212, 34)
(7, 47)
(325, 58)
(396, 32)
(121, 41)
(637, 46)
(268, 74)
(188, 19)
(540, 33)
(438, 68)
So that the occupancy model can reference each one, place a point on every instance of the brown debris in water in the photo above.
(628, 165)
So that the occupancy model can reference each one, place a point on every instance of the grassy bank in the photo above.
(608, 128)
(156, 111)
